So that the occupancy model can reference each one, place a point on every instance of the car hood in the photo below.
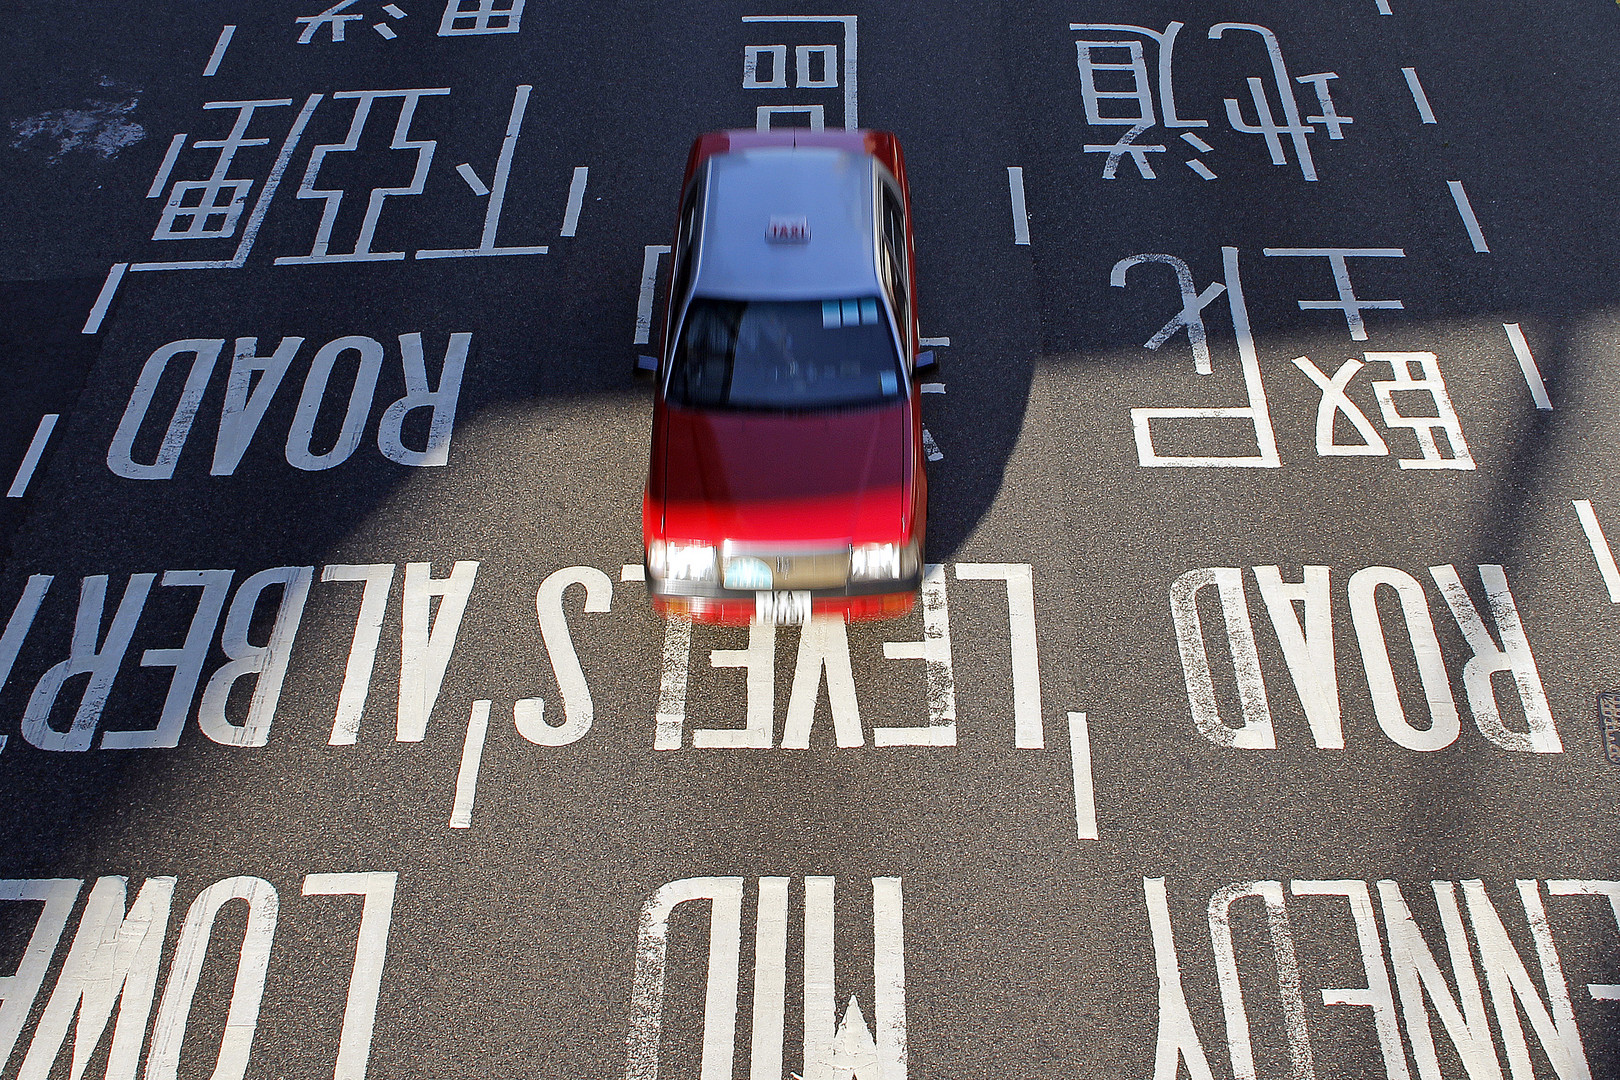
(785, 477)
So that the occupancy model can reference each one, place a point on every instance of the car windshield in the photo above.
(798, 354)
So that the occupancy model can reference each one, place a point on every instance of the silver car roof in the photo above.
(831, 189)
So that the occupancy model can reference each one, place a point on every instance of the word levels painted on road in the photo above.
(1302, 615)
(834, 1048)
(251, 385)
(1422, 991)
(117, 954)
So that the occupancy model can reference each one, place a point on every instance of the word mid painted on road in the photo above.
(1301, 613)
(834, 1049)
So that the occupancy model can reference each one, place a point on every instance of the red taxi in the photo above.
(786, 474)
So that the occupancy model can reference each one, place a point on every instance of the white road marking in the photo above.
(934, 342)
(1288, 981)
(472, 758)
(385, 30)
(576, 199)
(466, 172)
(1470, 222)
(1443, 724)
(98, 311)
(1609, 889)
(30, 461)
(394, 10)
(1600, 548)
(649, 280)
(720, 997)
(1029, 732)
(370, 953)
(1196, 143)
(770, 980)
(1383, 8)
(1085, 803)
(1257, 412)
(1201, 169)
(759, 661)
(267, 191)
(351, 706)
(816, 113)
(219, 49)
(427, 641)
(851, 120)
(932, 388)
(632, 572)
(677, 659)
(935, 653)
(931, 448)
(1527, 364)
(1419, 98)
(161, 180)
(332, 198)
(497, 196)
(185, 970)
(1015, 184)
(115, 955)
(1348, 301)
(1177, 1038)
(578, 709)
(17, 627)
(1256, 732)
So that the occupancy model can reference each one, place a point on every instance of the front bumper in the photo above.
(707, 603)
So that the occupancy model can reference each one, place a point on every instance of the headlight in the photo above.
(680, 562)
(883, 562)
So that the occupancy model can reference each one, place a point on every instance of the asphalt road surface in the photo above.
(1252, 725)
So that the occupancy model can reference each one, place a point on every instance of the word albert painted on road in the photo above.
(1302, 615)
(117, 953)
(251, 385)
(223, 615)
(1422, 991)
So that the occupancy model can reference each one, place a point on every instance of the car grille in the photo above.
(796, 568)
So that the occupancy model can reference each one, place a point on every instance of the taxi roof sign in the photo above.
(788, 230)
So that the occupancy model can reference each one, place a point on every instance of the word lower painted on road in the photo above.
(1402, 1015)
(116, 956)
(1301, 613)
(149, 439)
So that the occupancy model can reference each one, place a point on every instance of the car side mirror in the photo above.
(925, 362)
(646, 366)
